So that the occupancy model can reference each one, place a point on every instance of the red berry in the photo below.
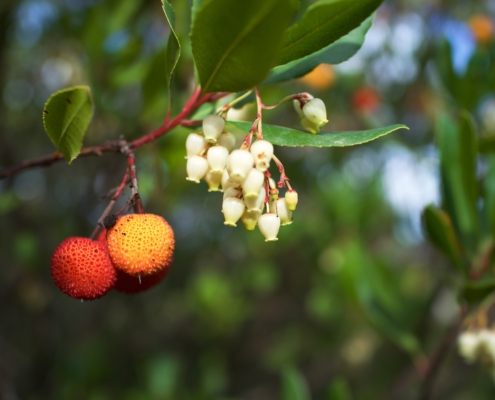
(133, 284)
(81, 268)
(366, 100)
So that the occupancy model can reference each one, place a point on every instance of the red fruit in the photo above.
(102, 236)
(81, 268)
(132, 284)
(366, 100)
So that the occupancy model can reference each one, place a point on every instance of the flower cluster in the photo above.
(478, 346)
(242, 174)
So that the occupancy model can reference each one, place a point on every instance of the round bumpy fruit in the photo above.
(81, 268)
(135, 284)
(141, 244)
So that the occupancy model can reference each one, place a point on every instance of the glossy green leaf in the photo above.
(323, 23)
(477, 291)
(337, 52)
(458, 148)
(282, 136)
(441, 232)
(194, 8)
(173, 46)
(294, 386)
(66, 118)
(235, 44)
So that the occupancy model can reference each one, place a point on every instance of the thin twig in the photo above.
(115, 146)
(437, 359)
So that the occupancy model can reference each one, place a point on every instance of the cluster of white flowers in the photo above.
(312, 112)
(478, 346)
(242, 175)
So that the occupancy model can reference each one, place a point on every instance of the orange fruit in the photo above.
(141, 244)
(482, 27)
(321, 78)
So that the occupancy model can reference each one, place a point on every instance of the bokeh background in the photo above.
(331, 311)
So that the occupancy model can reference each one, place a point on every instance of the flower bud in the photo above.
(232, 209)
(269, 225)
(262, 152)
(283, 212)
(213, 179)
(253, 183)
(250, 219)
(226, 182)
(196, 168)
(213, 127)
(291, 199)
(239, 163)
(231, 192)
(257, 203)
(195, 144)
(315, 111)
(309, 126)
(227, 140)
(217, 159)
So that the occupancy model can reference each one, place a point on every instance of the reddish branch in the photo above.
(192, 104)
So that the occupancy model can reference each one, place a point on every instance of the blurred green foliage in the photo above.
(347, 302)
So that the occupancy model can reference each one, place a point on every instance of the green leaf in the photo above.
(294, 386)
(322, 24)
(66, 118)
(235, 44)
(374, 292)
(458, 149)
(173, 46)
(337, 52)
(441, 232)
(477, 291)
(282, 136)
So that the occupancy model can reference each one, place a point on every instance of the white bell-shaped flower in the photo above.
(250, 219)
(239, 164)
(269, 225)
(283, 212)
(291, 198)
(213, 179)
(227, 140)
(231, 192)
(467, 343)
(226, 182)
(309, 126)
(315, 111)
(253, 183)
(217, 159)
(232, 209)
(262, 152)
(195, 144)
(196, 168)
(213, 127)
(257, 203)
